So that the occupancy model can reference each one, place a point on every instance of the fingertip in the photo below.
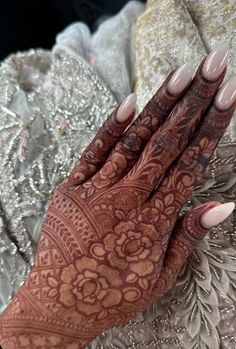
(181, 78)
(192, 222)
(127, 109)
(215, 62)
(226, 95)
(216, 215)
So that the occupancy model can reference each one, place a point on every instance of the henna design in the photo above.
(187, 232)
(78, 280)
(98, 150)
(132, 142)
(85, 277)
(183, 176)
(104, 255)
(172, 137)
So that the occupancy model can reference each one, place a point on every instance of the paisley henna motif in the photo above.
(109, 246)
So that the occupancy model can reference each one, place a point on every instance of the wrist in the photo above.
(25, 324)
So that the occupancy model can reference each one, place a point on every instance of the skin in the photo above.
(113, 241)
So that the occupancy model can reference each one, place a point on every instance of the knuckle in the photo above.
(132, 145)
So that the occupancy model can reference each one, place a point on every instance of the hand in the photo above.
(113, 241)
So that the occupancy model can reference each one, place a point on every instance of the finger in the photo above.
(189, 230)
(172, 137)
(98, 150)
(132, 142)
(183, 176)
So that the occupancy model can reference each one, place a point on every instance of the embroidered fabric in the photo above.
(200, 311)
(108, 49)
(51, 106)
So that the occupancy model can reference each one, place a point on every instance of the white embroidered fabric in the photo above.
(108, 50)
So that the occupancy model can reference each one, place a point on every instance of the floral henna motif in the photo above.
(187, 232)
(107, 285)
(88, 287)
(131, 143)
(172, 137)
(98, 150)
(181, 179)
(183, 176)
(105, 255)
(165, 144)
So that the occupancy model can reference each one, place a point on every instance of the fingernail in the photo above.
(215, 62)
(181, 78)
(226, 94)
(126, 109)
(217, 214)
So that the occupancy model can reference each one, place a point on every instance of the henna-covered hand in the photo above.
(113, 241)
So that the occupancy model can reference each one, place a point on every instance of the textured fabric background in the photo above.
(51, 106)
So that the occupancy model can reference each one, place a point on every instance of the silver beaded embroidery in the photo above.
(50, 107)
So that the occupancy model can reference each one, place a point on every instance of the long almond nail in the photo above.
(126, 109)
(215, 62)
(216, 214)
(181, 78)
(226, 95)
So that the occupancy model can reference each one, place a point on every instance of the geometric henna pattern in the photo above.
(114, 243)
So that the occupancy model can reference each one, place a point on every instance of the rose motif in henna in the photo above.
(129, 247)
(107, 248)
(88, 287)
(108, 174)
(132, 247)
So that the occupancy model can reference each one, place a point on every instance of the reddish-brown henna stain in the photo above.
(106, 251)
(124, 148)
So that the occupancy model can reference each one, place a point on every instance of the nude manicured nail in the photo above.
(181, 78)
(227, 94)
(126, 109)
(217, 214)
(215, 62)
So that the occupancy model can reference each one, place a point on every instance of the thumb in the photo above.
(195, 224)
(189, 229)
